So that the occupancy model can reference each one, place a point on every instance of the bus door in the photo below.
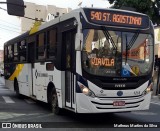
(31, 61)
(69, 41)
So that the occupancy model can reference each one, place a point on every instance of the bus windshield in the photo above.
(115, 53)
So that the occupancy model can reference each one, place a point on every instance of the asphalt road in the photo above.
(13, 109)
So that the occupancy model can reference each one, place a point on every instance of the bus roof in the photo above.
(75, 14)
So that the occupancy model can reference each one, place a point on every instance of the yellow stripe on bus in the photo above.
(16, 72)
(35, 27)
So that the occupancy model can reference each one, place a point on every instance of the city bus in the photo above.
(89, 60)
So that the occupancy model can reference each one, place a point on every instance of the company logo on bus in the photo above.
(119, 85)
(101, 91)
(119, 93)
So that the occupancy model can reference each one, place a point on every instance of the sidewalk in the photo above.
(154, 96)
(155, 82)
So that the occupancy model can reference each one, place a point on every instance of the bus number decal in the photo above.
(100, 16)
(50, 77)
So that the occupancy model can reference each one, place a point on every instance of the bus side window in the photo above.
(10, 53)
(41, 47)
(5, 54)
(51, 43)
(16, 52)
(22, 50)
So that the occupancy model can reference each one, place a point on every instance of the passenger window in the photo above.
(22, 50)
(5, 54)
(16, 52)
(41, 47)
(10, 53)
(51, 44)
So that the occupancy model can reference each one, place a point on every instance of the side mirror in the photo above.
(79, 41)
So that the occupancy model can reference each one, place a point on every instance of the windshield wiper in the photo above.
(109, 38)
(126, 49)
(134, 38)
(129, 46)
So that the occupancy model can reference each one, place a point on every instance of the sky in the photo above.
(10, 25)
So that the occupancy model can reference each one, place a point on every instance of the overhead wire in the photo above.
(3, 9)
(8, 22)
(2, 36)
(9, 27)
(10, 30)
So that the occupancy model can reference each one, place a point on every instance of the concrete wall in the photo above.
(157, 40)
(1, 56)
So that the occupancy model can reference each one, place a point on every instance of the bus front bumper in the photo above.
(86, 104)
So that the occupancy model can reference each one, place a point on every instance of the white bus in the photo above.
(88, 61)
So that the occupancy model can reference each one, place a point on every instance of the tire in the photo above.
(54, 102)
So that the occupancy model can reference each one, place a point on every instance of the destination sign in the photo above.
(102, 62)
(117, 18)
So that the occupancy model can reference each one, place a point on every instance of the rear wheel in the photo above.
(54, 102)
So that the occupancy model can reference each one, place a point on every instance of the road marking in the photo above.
(29, 101)
(27, 117)
(154, 96)
(155, 103)
(4, 89)
(143, 113)
(8, 99)
(9, 115)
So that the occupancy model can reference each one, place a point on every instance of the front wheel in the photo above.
(54, 103)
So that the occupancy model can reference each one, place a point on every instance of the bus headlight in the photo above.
(148, 89)
(85, 90)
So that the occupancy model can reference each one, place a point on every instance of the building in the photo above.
(40, 12)
(1, 56)
(157, 40)
(1, 59)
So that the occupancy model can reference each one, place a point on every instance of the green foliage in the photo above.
(149, 7)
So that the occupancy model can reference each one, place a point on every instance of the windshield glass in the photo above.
(115, 53)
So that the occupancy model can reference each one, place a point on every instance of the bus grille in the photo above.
(110, 105)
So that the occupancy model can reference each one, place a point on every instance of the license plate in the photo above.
(119, 103)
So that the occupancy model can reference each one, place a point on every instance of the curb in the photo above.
(156, 97)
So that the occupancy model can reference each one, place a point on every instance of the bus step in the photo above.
(71, 109)
(33, 97)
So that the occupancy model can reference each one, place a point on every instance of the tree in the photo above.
(149, 7)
